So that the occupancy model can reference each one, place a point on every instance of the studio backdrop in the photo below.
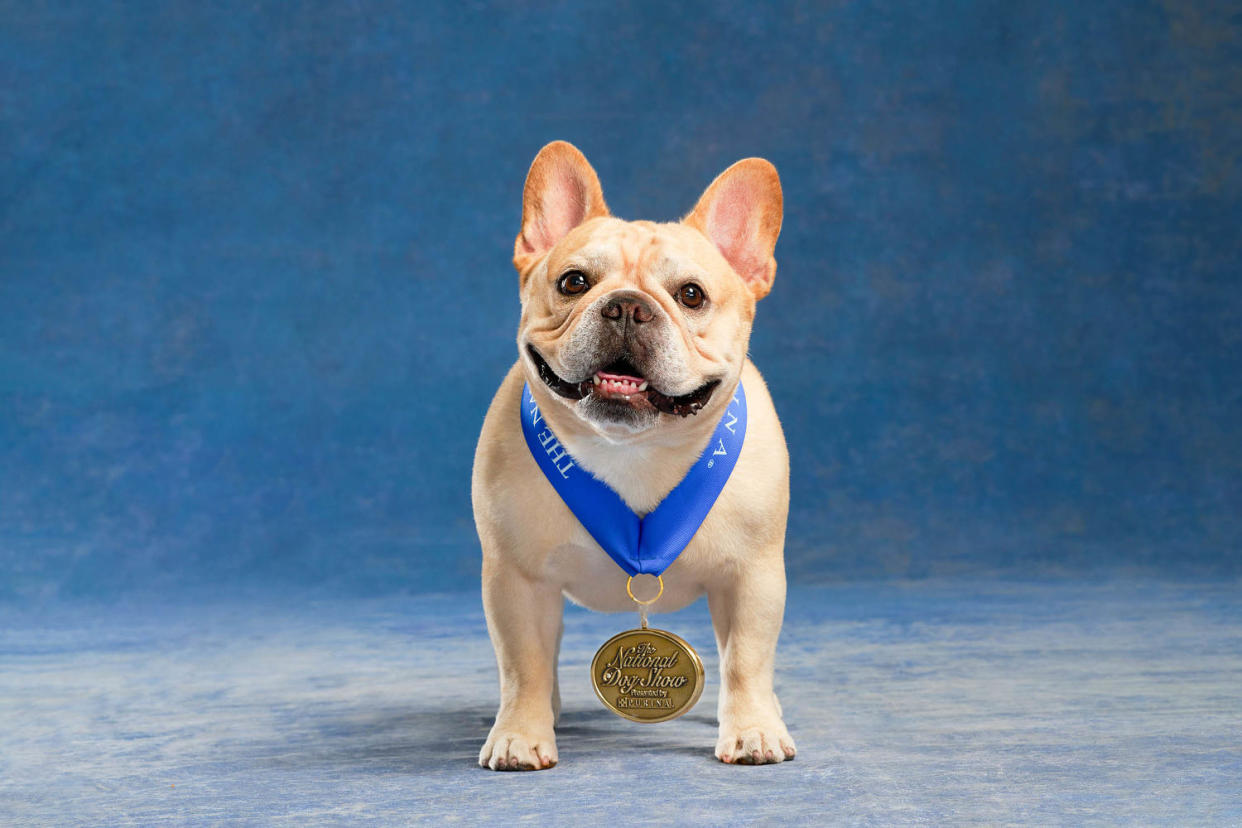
(256, 290)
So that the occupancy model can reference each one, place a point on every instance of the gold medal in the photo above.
(647, 675)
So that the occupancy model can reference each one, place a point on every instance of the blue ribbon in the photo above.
(649, 544)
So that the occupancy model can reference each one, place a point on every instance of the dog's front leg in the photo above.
(524, 620)
(747, 606)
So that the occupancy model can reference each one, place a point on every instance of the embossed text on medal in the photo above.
(647, 675)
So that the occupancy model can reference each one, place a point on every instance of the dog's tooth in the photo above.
(643, 386)
(596, 379)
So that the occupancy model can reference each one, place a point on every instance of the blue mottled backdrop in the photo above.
(255, 288)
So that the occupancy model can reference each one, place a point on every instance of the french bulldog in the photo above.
(633, 337)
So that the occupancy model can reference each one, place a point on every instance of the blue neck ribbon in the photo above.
(649, 544)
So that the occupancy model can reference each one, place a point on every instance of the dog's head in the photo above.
(635, 324)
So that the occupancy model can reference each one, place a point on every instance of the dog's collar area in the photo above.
(620, 377)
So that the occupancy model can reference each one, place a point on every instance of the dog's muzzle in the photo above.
(619, 381)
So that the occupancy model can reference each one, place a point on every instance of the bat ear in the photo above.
(562, 191)
(741, 213)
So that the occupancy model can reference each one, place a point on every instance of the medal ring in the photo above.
(630, 592)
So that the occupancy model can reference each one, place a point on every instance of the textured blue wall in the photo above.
(255, 289)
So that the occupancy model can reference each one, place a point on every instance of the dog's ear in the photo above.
(741, 213)
(562, 191)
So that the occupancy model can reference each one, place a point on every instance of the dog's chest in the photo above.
(592, 579)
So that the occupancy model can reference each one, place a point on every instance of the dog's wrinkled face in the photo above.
(632, 320)
(633, 323)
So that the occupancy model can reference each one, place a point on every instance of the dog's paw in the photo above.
(518, 749)
(754, 744)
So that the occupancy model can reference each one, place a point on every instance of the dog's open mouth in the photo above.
(621, 383)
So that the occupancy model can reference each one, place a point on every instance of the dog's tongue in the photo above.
(619, 383)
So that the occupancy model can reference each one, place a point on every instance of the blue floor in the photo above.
(946, 702)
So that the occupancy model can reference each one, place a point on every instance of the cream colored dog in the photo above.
(627, 329)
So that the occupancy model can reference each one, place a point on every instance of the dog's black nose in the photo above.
(628, 307)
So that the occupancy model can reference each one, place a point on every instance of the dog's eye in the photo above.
(691, 295)
(573, 283)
